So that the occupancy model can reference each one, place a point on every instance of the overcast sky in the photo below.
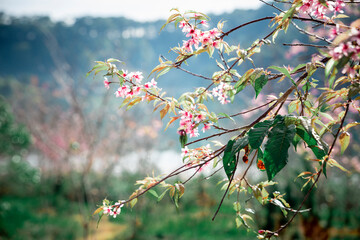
(142, 10)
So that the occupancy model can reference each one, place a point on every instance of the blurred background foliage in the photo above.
(64, 146)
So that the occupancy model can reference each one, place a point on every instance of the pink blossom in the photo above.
(193, 33)
(316, 9)
(338, 6)
(106, 83)
(215, 44)
(206, 40)
(305, 7)
(122, 91)
(221, 92)
(151, 84)
(200, 117)
(349, 70)
(349, 48)
(182, 24)
(206, 127)
(187, 45)
(186, 27)
(136, 90)
(188, 122)
(204, 23)
(107, 210)
(334, 31)
(124, 73)
(198, 37)
(184, 152)
(194, 132)
(213, 33)
(136, 76)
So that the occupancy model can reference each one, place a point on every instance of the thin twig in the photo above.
(243, 25)
(304, 45)
(218, 134)
(310, 34)
(215, 172)
(227, 189)
(250, 110)
(272, 5)
(184, 70)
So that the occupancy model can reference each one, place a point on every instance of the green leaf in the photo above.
(260, 155)
(237, 206)
(329, 66)
(133, 103)
(298, 67)
(311, 142)
(296, 141)
(229, 158)
(244, 218)
(183, 140)
(238, 222)
(293, 106)
(258, 132)
(344, 141)
(98, 221)
(276, 148)
(305, 131)
(324, 168)
(227, 116)
(332, 77)
(153, 192)
(126, 101)
(133, 202)
(176, 200)
(103, 68)
(289, 13)
(283, 71)
(240, 144)
(334, 163)
(165, 70)
(312, 139)
(162, 195)
(259, 84)
(243, 81)
(240, 87)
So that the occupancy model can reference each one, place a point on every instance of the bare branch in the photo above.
(304, 45)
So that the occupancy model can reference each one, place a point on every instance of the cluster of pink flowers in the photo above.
(319, 10)
(349, 48)
(222, 91)
(190, 120)
(134, 88)
(199, 38)
(112, 210)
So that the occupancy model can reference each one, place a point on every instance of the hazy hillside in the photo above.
(38, 46)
